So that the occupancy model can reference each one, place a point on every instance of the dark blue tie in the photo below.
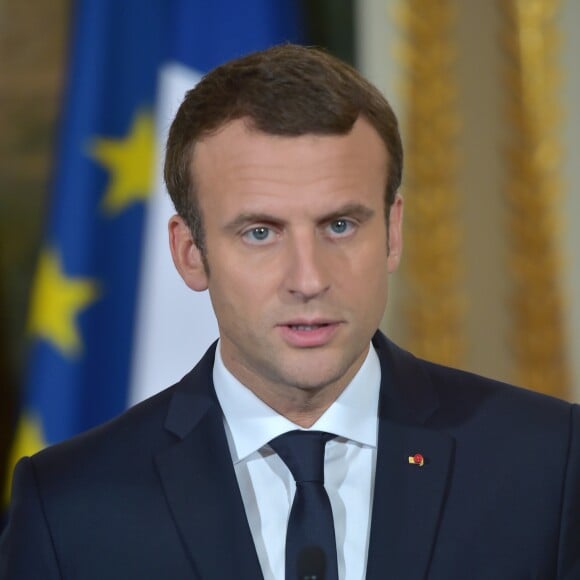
(310, 541)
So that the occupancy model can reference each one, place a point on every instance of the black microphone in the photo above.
(311, 563)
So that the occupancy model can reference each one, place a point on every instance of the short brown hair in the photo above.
(285, 90)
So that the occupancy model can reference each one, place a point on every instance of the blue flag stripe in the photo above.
(79, 368)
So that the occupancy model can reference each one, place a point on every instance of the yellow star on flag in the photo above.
(56, 302)
(130, 164)
(28, 439)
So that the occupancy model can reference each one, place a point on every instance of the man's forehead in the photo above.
(241, 132)
(244, 171)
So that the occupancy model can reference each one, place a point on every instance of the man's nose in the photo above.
(307, 267)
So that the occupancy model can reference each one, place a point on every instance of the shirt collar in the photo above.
(252, 423)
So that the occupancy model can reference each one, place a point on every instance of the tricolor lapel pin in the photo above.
(417, 459)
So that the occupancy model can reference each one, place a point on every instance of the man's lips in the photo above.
(309, 333)
(309, 323)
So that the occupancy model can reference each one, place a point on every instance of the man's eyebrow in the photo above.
(245, 219)
(355, 210)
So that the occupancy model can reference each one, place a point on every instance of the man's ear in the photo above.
(186, 255)
(395, 234)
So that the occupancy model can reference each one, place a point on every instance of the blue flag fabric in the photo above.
(83, 307)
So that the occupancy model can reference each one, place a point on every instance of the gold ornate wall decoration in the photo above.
(533, 193)
(432, 270)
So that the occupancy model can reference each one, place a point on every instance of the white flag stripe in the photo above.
(174, 325)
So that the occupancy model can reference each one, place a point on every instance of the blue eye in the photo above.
(257, 234)
(260, 233)
(340, 226)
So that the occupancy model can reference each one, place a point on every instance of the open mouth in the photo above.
(309, 335)
(307, 327)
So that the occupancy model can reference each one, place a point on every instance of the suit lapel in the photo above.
(200, 483)
(408, 498)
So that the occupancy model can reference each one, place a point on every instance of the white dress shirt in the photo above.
(266, 484)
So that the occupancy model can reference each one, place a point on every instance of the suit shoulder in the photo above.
(143, 427)
(122, 436)
(460, 383)
(505, 408)
(458, 395)
(127, 442)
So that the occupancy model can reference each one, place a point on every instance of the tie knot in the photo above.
(303, 453)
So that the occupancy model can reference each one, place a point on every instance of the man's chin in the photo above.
(316, 379)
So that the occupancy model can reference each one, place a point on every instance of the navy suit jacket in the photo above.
(153, 494)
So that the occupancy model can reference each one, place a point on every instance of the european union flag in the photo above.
(86, 298)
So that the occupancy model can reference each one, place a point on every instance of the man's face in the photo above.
(296, 245)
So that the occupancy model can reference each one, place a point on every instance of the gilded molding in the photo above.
(432, 268)
(533, 194)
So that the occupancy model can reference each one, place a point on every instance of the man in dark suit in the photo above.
(284, 168)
